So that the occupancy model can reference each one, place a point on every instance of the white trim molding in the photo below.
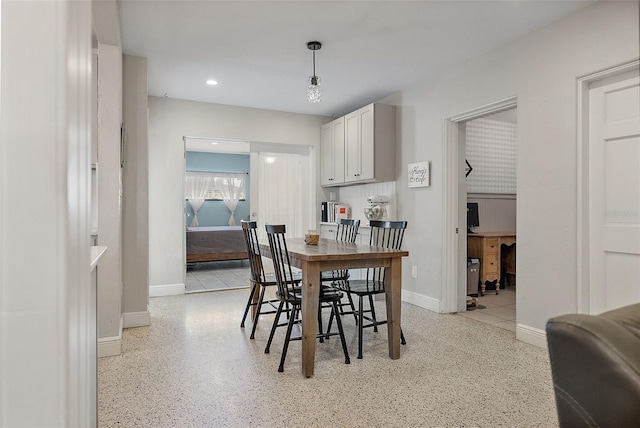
(109, 346)
(450, 288)
(421, 300)
(166, 290)
(136, 319)
(531, 335)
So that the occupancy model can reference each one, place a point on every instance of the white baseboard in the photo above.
(136, 319)
(421, 300)
(166, 290)
(532, 336)
(109, 346)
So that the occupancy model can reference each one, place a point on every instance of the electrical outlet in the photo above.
(414, 271)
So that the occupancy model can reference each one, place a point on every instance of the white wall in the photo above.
(169, 121)
(48, 335)
(135, 197)
(109, 198)
(541, 71)
(497, 213)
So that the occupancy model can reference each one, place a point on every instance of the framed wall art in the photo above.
(418, 174)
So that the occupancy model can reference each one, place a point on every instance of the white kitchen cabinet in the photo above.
(333, 153)
(328, 230)
(364, 234)
(352, 147)
(369, 149)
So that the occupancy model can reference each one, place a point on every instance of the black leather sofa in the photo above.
(595, 365)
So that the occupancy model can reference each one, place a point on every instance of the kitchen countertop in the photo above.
(363, 224)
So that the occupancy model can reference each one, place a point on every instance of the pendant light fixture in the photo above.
(313, 88)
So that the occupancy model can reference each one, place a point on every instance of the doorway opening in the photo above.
(497, 203)
(489, 144)
(227, 181)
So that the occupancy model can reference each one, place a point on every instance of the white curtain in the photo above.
(283, 192)
(231, 187)
(198, 186)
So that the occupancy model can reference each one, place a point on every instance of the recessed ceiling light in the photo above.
(214, 143)
(211, 82)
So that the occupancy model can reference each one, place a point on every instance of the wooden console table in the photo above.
(486, 246)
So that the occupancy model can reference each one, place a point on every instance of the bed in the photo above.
(206, 244)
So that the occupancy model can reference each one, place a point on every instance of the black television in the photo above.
(473, 220)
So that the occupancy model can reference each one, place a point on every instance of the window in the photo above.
(218, 180)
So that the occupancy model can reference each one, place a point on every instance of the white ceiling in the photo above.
(257, 50)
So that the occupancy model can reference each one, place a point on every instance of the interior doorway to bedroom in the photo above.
(229, 181)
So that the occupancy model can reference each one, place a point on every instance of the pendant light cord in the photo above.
(314, 63)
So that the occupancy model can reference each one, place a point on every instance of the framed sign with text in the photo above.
(418, 174)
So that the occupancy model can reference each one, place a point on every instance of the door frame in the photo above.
(582, 156)
(453, 294)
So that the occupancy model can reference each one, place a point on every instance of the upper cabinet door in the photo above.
(352, 148)
(326, 148)
(332, 142)
(337, 128)
(366, 141)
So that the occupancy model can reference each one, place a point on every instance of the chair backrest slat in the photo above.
(281, 261)
(347, 230)
(385, 234)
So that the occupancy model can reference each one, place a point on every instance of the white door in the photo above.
(614, 192)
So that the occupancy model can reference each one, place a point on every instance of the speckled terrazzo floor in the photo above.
(222, 275)
(195, 367)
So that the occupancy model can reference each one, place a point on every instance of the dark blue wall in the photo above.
(215, 213)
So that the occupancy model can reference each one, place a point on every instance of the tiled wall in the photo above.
(491, 151)
(356, 196)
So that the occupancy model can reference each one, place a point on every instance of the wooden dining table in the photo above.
(330, 255)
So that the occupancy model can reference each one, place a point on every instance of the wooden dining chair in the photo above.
(346, 231)
(386, 234)
(259, 280)
(289, 292)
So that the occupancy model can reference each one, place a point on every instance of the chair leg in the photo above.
(320, 322)
(340, 305)
(273, 327)
(373, 313)
(353, 307)
(249, 304)
(360, 323)
(402, 341)
(342, 339)
(330, 322)
(259, 309)
(292, 320)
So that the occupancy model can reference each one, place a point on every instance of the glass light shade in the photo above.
(313, 90)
